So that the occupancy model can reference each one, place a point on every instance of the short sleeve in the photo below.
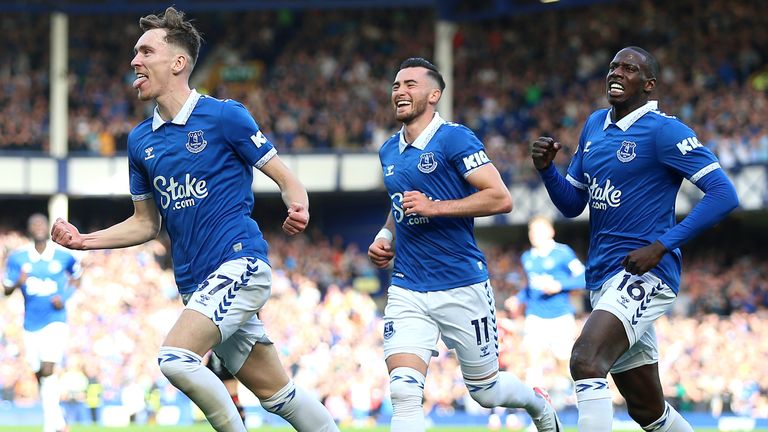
(137, 174)
(679, 149)
(73, 266)
(12, 271)
(464, 150)
(243, 134)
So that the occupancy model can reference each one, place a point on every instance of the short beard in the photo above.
(418, 109)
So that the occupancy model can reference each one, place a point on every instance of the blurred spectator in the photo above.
(318, 80)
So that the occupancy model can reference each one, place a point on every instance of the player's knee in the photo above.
(586, 364)
(177, 363)
(46, 370)
(406, 387)
(281, 401)
(484, 392)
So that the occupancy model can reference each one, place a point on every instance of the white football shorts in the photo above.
(637, 301)
(46, 345)
(231, 296)
(465, 318)
(555, 335)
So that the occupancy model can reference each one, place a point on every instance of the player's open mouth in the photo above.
(615, 89)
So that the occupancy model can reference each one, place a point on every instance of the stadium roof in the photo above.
(453, 10)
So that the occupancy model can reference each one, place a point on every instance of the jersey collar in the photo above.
(632, 117)
(425, 136)
(183, 115)
(47, 255)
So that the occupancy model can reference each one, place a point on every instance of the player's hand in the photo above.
(644, 259)
(65, 234)
(543, 152)
(415, 202)
(22, 278)
(56, 302)
(297, 220)
(551, 287)
(380, 252)
(515, 307)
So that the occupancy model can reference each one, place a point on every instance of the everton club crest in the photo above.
(389, 329)
(626, 152)
(427, 162)
(195, 141)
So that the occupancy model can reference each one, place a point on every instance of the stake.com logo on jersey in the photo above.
(181, 195)
(602, 196)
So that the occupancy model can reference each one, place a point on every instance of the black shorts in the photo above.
(217, 367)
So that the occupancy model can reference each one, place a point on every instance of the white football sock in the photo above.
(506, 390)
(406, 387)
(50, 399)
(303, 412)
(595, 406)
(670, 421)
(184, 370)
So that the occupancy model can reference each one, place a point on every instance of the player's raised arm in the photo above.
(294, 195)
(567, 197)
(141, 227)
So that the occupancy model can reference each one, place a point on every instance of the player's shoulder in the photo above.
(563, 248)
(671, 132)
(391, 142)
(142, 129)
(222, 104)
(662, 119)
(457, 139)
(60, 252)
(453, 130)
(19, 254)
(597, 117)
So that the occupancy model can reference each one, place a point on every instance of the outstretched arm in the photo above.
(141, 227)
(294, 195)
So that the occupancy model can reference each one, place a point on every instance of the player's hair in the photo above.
(426, 64)
(178, 31)
(652, 65)
(36, 216)
(540, 218)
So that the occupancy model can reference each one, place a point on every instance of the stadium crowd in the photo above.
(319, 80)
(328, 326)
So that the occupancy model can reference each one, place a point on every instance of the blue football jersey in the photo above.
(199, 170)
(559, 264)
(48, 275)
(632, 171)
(437, 253)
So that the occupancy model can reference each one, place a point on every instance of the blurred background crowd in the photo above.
(320, 80)
(325, 317)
